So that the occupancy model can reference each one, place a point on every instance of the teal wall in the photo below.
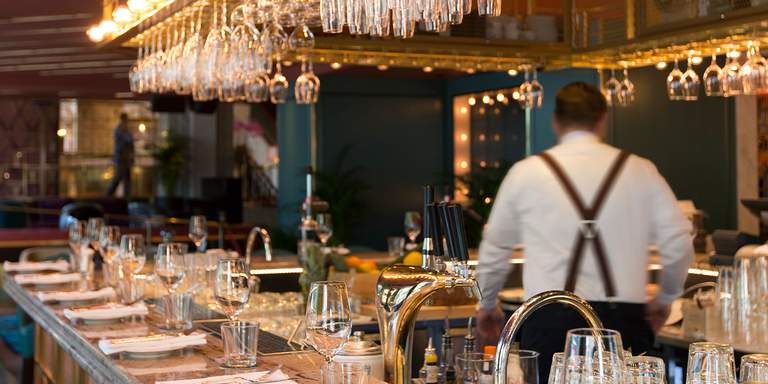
(294, 124)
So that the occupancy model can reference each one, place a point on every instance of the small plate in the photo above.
(147, 355)
(100, 321)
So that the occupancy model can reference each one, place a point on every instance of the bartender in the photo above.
(586, 213)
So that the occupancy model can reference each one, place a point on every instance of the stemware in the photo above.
(626, 94)
(332, 14)
(674, 83)
(206, 83)
(690, 83)
(593, 355)
(557, 369)
(93, 232)
(328, 318)
(170, 266)
(278, 86)
(198, 231)
(307, 85)
(232, 286)
(754, 72)
(730, 78)
(109, 239)
(612, 86)
(536, 91)
(713, 84)
(412, 225)
(133, 253)
(76, 236)
(324, 227)
(710, 363)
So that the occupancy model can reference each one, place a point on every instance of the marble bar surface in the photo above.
(79, 341)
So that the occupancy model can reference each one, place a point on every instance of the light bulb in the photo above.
(471, 100)
(463, 110)
(463, 137)
(486, 99)
(61, 132)
(95, 34)
(500, 97)
(138, 6)
(122, 15)
(427, 69)
(108, 27)
(335, 65)
(382, 67)
(463, 164)
(142, 127)
(661, 65)
(696, 60)
(512, 72)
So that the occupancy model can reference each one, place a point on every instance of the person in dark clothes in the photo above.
(122, 158)
(586, 214)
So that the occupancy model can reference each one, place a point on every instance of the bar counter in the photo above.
(68, 353)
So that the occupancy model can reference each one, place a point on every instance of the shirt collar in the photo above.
(578, 136)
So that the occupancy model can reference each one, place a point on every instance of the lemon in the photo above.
(412, 258)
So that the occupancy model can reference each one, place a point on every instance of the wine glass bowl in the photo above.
(170, 266)
(612, 86)
(198, 231)
(232, 286)
(712, 78)
(675, 83)
(690, 83)
(132, 254)
(328, 318)
(593, 356)
(626, 93)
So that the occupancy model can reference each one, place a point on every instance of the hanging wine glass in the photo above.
(206, 83)
(730, 78)
(525, 89)
(228, 65)
(307, 85)
(278, 86)
(231, 86)
(134, 75)
(190, 56)
(754, 72)
(674, 83)
(690, 83)
(612, 89)
(536, 92)
(626, 94)
(713, 85)
(302, 39)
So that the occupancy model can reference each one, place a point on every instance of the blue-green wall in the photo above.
(294, 124)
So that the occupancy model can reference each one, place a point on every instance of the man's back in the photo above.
(532, 208)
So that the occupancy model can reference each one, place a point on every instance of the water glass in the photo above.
(754, 369)
(131, 288)
(328, 318)
(177, 311)
(523, 367)
(593, 355)
(710, 363)
(345, 373)
(644, 370)
(474, 368)
(557, 369)
(395, 245)
(241, 341)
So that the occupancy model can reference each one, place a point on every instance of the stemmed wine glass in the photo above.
(109, 239)
(690, 83)
(133, 253)
(232, 286)
(93, 232)
(536, 91)
(198, 231)
(612, 86)
(307, 85)
(278, 86)
(626, 90)
(328, 318)
(754, 72)
(593, 356)
(713, 85)
(76, 236)
(324, 227)
(675, 83)
(170, 266)
(413, 224)
(730, 78)
(525, 89)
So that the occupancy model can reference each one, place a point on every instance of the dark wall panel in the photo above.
(692, 143)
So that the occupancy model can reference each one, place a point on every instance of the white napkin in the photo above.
(154, 343)
(35, 266)
(107, 311)
(139, 331)
(53, 278)
(189, 364)
(104, 293)
(275, 378)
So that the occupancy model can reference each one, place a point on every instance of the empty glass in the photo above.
(278, 86)
(675, 83)
(170, 266)
(93, 232)
(241, 341)
(593, 356)
(557, 369)
(644, 370)
(754, 369)
(474, 368)
(307, 87)
(132, 254)
(710, 363)
(612, 86)
(328, 319)
(345, 373)
(523, 367)
(754, 72)
(731, 80)
(690, 83)
(198, 231)
(713, 85)
(76, 235)
(751, 296)
(332, 13)
(109, 240)
(177, 310)
(232, 286)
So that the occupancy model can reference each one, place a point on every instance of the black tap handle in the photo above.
(448, 228)
(461, 233)
(437, 233)
(429, 198)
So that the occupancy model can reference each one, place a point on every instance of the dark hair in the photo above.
(579, 103)
(123, 116)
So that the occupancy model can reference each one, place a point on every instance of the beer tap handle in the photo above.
(437, 233)
(445, 219)
(461, 233)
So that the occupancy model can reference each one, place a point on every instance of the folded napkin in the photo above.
(152, 343)
(34, 266)
(274, 378)
(141, 330)
(190, 363)
(104, 293)
(107, 311)
(53, 278)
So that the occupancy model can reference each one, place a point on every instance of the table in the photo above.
(67, 353)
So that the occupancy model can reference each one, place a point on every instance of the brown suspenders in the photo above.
(588, 230)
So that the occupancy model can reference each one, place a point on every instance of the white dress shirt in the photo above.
(531, 208)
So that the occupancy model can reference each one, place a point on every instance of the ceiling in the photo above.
(44, 51)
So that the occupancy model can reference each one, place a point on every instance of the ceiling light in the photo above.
(734, 54)
(512, 72)
(122, 15)
(108, 27)
(486, 99)
(142, 127)
(95, 34)
(463, 164)
(463, 110)
(661, 65)
(463, 137)
(382, 67)
(335, 65)
(470, 70)
(696, 60)
(500, 97)
(471, 100)
(61, 132)
(516, 95)
(427, 69)
(287, 63)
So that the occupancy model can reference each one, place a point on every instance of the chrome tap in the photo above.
(522, 313)
(265, 238)
(400, 291)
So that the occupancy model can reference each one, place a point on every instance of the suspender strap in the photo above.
(588, 229)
